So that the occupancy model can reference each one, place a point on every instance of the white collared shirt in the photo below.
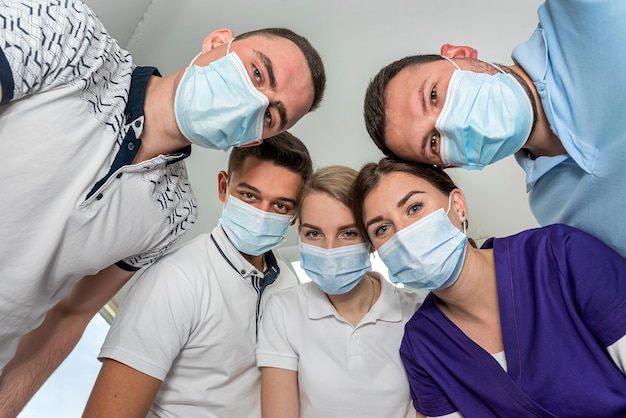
(190, 321)
(342, 370)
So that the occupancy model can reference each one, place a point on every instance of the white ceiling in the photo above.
(120, 17)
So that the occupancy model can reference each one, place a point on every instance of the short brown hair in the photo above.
(283, 149)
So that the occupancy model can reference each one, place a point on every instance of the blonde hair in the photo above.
(334, 180)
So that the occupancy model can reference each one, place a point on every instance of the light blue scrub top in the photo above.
(577, 61)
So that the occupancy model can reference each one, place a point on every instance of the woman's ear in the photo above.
(459, 205)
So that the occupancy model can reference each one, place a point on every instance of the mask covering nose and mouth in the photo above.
(484, 119)
(428, 254)
(217, 106)
(336, 270)
(251, 230)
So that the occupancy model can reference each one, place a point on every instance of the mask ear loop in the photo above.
(448, 211)
(229, 44)
(200, 53)
(450, 61)
(449, 203)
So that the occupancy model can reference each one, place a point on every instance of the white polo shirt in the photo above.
(72, 202)
(190, 321)
(343, 371)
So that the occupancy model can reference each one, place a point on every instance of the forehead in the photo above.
(324, 211)
(409, 113)
(267, 177)
(294, 80)
(392, 188)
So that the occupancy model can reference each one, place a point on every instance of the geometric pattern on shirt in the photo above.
(48, 44)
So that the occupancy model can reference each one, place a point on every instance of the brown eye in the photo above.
(433, 96)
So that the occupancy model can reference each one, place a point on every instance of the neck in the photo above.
(258, 261)
(475, 293)
(542, 142)
(353, 305)
(161, 134)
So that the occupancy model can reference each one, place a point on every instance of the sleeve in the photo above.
(47, 43)
(274, 348)
(428, 399)
(154, 321)
(597, 279)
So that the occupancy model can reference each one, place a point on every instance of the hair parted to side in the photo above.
(374, 102)
(372, 173)
(336, 181)
(313, 58)
(283, 150)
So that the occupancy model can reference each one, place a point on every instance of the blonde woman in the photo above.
(329, 348)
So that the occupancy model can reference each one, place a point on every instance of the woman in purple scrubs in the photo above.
(528, 325)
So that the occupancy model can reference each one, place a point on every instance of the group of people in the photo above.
(527, 325)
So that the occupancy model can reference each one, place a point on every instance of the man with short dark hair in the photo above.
(94, 179)
(182, 343)
(559, 109)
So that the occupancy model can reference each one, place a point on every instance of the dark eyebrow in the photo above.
(249, 186)
(282, 114)
(421, 94)
(402, 201)
(287, 199)
(269, 68)
(310, 226)
(373, 220)
(257, 191)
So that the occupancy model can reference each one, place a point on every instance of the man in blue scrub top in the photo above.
(559, 109)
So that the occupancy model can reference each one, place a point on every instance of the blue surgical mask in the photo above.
(253, 231)
(337, 270)
(428, 254)
(484, 119)
(217, 106)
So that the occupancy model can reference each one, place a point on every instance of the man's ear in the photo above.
(458, 51)
(222, 185)
(216, 38)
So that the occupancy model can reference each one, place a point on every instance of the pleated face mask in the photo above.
(217, 106)
(484, 118)
(336, 270)
(253, 231)
(426, 255)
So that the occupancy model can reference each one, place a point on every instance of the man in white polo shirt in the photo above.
(182, 343)
(93, 173)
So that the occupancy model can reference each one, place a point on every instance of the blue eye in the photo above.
(415, 208)
(381, 230)
(350, 235)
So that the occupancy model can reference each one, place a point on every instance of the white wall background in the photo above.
(355, 38)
